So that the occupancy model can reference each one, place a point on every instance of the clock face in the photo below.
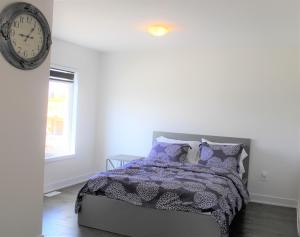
(26, 36)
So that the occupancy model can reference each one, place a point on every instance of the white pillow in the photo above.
(243, 155)
(193, 154)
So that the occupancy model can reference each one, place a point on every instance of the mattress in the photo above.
(173, 186)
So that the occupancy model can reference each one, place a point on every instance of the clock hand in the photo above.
(28, 36)
(22, 35)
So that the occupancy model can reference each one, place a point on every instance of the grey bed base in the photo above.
(123, 218)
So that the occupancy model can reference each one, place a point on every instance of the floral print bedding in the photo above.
(169, 152)
(167, 185)
(222, 156)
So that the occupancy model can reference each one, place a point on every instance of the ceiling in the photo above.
(113, 25)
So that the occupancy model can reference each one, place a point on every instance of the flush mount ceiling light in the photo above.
(158, 30)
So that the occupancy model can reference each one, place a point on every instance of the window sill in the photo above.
(51, 159)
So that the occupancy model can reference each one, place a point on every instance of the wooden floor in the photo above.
(257, 220)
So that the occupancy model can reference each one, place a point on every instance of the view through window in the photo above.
(60, 140)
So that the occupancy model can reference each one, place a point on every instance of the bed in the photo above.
(117, 216)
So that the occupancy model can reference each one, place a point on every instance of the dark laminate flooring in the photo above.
(257, 220)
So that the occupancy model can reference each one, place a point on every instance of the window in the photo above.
(60, 139)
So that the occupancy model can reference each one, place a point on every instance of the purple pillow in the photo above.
(221, 156)
(169, 152)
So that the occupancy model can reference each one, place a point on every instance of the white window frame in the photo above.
(72, 154)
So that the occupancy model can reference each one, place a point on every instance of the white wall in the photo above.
(86, 63)
(23, 103)
(241, 92)
(298, 209)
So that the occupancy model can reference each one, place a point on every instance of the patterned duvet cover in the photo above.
(173, 186)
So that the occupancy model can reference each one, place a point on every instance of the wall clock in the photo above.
(25, 36)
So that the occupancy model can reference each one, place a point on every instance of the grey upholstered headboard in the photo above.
(196, 137)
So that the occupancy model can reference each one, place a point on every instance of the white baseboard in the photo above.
(273, 200)
(67, 182)
(298, 218)
(254, 197)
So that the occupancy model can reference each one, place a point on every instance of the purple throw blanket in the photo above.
(173, 186)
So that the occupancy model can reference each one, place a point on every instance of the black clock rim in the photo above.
(6, 19)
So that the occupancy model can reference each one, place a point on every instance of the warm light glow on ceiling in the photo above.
(158, 30)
